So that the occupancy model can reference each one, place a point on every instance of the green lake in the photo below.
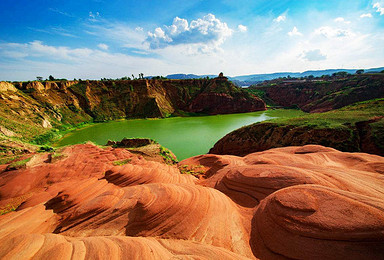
(184, 136)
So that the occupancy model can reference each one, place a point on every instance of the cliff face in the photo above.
(357, 128)
(221, 97)
(46, 105)
(265, 136)
(323, 94)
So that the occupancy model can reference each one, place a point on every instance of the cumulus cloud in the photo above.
(379, 8)
(341, 20)
(103, 46)
(242, 28)
(367, 15)
(295, 32)
(313, 55)
(330, 32)
(280, 18)
(206, 30)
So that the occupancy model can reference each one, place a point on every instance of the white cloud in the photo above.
(25, 61)
(295, 32)
(313, 55)
(103, 46)
(330, 32)
(379, 8)
(242, 28)
(367, 15)
(341, 20)
(281, 18)
(204, 31)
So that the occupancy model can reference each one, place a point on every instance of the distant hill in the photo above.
(248, 80)
(188, 76)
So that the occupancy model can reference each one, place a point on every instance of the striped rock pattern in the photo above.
(308, 202)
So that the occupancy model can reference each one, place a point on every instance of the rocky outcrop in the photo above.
(6, 86)
(265, 136)
(148, 148)
(222, 97)
(131, 142)
(356, 128)
(309, 202)
(214, 103)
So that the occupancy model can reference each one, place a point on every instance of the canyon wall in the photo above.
(34, 108)
(321, 95)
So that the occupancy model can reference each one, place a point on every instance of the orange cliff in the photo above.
(308, 202)
(112, 99)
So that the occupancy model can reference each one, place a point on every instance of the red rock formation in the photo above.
(323, 95)
(308, 202)
(220, 103)
(221, 97)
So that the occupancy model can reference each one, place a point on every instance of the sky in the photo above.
(93, 39)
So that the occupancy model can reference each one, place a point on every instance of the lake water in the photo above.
(184, 136)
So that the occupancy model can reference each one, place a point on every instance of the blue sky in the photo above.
(98, 38)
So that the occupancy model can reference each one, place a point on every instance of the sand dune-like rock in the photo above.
(82, 162)
(315, 222)
(153, 210)
(51, 246)
(309, 202)
(315, 197)
(151, 172)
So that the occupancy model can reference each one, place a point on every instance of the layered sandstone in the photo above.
(308, 202)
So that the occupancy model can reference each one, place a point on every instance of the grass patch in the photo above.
(121, 162)
(7, 209)
(168, 157)
(8, 159)
(341, 118)
(19, 164)
(195, 170)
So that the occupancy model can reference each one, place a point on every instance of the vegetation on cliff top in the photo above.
(340, 118)
(320, 94)
(354, 128)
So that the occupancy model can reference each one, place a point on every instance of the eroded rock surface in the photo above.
(309, 202)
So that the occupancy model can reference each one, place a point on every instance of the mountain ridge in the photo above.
(246, 80)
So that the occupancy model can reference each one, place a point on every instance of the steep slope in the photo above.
(321, 94)
(31, 109)
(353, 128)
